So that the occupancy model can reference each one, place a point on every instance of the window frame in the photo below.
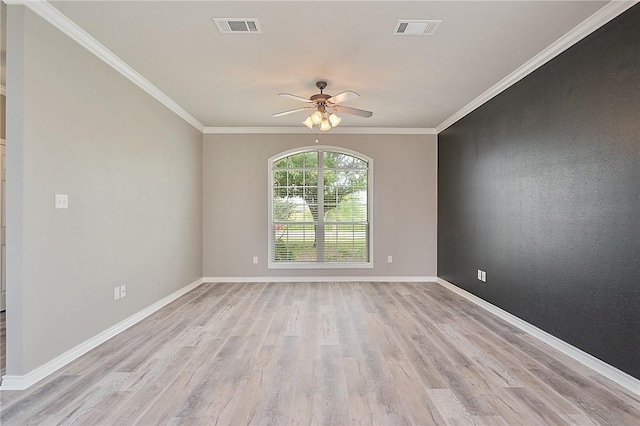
(272, 264)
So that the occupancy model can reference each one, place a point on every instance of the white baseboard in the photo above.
(315, 279)
(23, 382)
(620, 377)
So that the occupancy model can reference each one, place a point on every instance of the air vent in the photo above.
(411, 27)
(237, 25)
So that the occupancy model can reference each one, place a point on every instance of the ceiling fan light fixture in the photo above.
(308, 122)
(316, 117)
(324, 107)
(324, 125)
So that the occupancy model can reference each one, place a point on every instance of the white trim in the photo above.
(335, 130)
(56, 18)
(23, 382)
(318, 279)
(3, 90)
(317, 265)
(586, 27)
(620, 377)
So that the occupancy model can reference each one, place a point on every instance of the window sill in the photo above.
(314, 265)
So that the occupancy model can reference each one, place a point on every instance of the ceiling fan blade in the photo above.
(354, 111)
(299, 98)
(343, 97)
(280, 114)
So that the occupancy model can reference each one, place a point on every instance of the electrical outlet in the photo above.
(484, 276)
(123, 291)
(389, 259)
(116, 293)
(61, 201)
(255, 259)
(479, 274)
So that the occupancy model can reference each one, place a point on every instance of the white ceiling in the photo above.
(232, 80)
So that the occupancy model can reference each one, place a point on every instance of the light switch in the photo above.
(62, 201)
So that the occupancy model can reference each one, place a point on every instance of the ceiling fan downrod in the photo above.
(321, 85)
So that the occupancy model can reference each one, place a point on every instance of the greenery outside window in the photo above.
(320, 209)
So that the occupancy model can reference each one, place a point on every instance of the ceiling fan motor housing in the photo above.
(320, 98)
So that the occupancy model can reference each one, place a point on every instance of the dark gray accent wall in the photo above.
(540, 187)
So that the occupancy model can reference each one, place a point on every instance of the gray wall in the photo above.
(133, 173)
(235, 202)
(540, 187)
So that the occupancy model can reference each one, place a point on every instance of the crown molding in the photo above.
(339, 130)
(607, 13)
(56, 18)
(3, 90)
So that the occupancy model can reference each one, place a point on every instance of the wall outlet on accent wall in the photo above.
(482, 275)
(479, 274)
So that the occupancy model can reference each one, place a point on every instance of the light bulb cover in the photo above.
(335, 120)
(308, 122)
(324, 125)
(316, 117)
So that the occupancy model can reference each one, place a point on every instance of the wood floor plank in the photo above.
(307, 408)
(360, 409)
(249, 403)
(420, 408)
(277, 407)
(347, 340)
(386, 401)
(450, 408)
(333, 387)
(358, 353)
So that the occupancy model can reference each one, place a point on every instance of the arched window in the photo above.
(320, 209)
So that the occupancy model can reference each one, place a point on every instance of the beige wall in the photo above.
(3, 103)
(133, 173)
(235, 202)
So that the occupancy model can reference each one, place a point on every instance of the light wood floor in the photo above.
(321, 354)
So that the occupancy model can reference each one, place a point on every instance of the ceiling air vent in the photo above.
(237, 25)
(411, 27)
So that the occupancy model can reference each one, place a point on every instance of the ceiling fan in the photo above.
(325, 107)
